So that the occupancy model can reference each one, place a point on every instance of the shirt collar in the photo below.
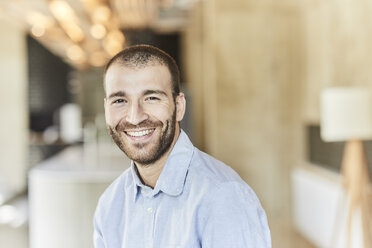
(136, 179)
(172, 178)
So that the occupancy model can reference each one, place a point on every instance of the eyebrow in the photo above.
(145, 93)
(117, 94)
(150, 92)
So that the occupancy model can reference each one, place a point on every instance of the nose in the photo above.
(136, 114)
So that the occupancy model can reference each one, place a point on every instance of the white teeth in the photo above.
(140, 133)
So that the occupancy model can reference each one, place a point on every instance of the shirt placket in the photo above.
(149, 219)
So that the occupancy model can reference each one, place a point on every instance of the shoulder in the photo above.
(233, 211)
(210, 170)
(212, 180)
(229, 206)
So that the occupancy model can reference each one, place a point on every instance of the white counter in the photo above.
(63, 193)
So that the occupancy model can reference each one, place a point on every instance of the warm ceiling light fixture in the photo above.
(62, 10)
(113, 42)
(116, 35)
(105, 27)
(113, 47)
(101, 14)
(98, 31)
(35, 18)
(67, 19)
(39, 23)
(73, 31)
(76, 54)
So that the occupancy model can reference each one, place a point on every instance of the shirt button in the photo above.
(150, 210)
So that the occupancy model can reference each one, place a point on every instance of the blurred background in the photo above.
(252, 72)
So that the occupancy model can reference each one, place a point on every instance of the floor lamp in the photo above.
(346, 115)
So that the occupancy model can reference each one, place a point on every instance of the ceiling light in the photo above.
(113, 43)
(101, 14)
(37, 31)
(98, 31)
(73, 31)
(67, 19)
(75, 53)
(35, 18)
(112, 48)
(116, 35)
(62, 10)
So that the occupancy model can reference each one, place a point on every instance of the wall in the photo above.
(13, 106)
(247, 79)
(256, 69)
(338, 48)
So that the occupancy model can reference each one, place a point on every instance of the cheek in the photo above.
(161, 113)
(113, 116)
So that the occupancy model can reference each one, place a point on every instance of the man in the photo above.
(173, 195)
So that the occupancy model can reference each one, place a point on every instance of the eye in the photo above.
(152, 98)
(120, 100)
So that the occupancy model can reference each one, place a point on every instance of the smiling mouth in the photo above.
(140, 133)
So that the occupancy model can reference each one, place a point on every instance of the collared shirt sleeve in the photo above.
(234, 219)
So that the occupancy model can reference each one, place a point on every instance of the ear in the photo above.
(181, 106)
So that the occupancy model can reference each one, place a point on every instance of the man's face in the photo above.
(141, 115)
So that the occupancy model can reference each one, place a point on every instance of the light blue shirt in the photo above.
(197, 202)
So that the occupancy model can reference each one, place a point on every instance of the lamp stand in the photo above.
(358, 189)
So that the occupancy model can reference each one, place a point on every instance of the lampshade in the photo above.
(346, 113)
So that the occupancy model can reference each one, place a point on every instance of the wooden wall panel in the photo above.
(338, 48)
(250, 67)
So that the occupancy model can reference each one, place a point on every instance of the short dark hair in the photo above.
(140, 56)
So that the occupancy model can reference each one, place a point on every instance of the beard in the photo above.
(145, 153)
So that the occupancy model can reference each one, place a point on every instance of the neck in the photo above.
(150, 173)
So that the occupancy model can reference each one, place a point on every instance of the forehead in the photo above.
(125, 78)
